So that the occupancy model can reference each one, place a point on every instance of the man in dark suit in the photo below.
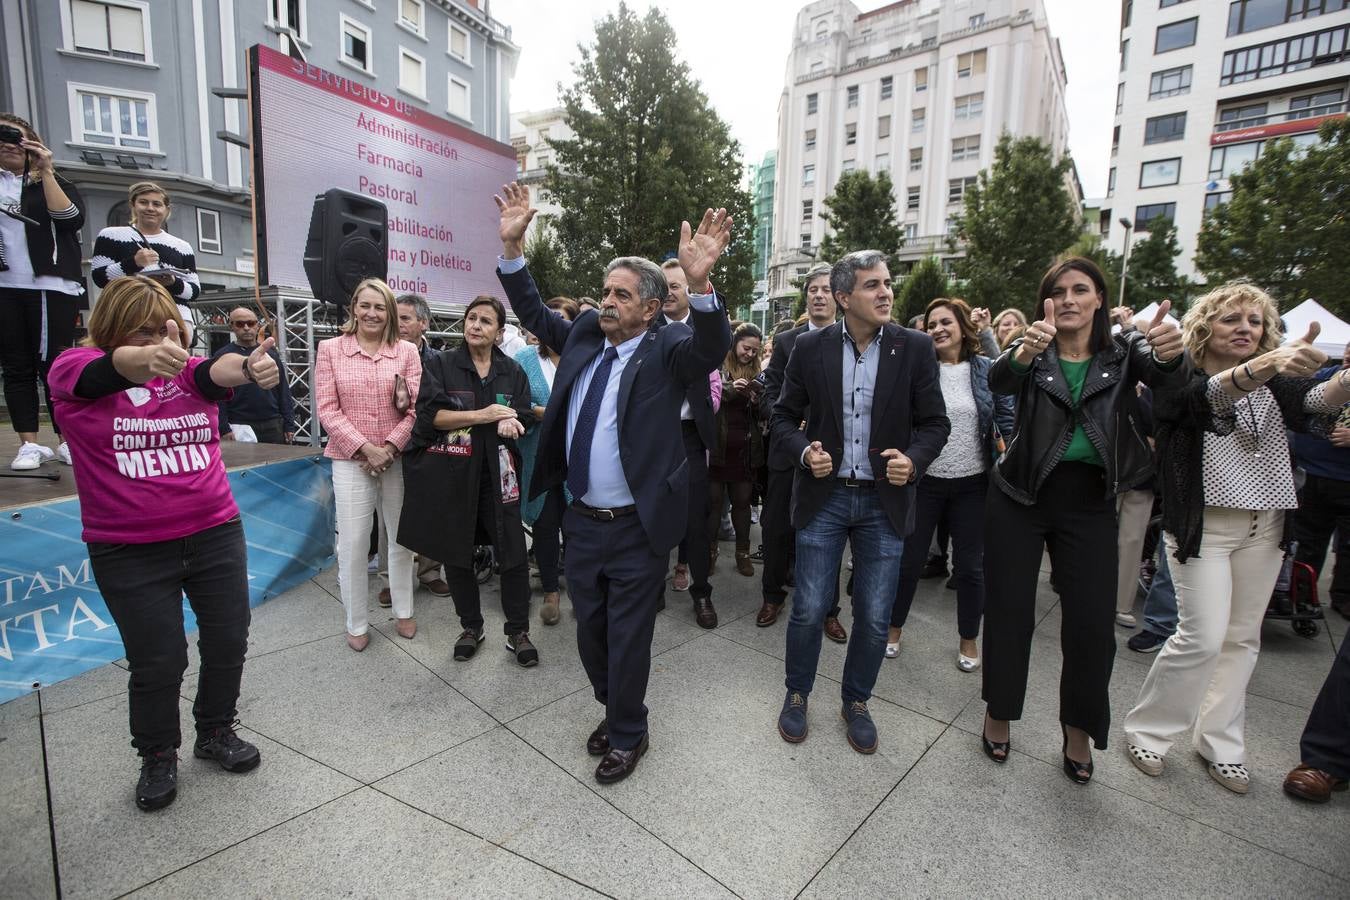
(612, 432)
(870, 393)
(775, 526)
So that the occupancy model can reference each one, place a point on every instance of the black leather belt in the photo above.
(857, 482)
(603, 515)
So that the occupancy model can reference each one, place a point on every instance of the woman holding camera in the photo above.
(739, 453)
(41, 283)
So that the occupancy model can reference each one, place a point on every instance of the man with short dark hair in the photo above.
(270, 413)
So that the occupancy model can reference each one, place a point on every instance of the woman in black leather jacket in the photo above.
(1077, 444)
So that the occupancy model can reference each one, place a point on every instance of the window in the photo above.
(208, 231)
(971, 63)
(1235, 117)
(288, 14)
(1175, 36)
(808, 175)
(949, 228)
(115, 30)
(911, 231)
(1161, 129)
(458, 105)
(817, 67)
(808, 210)
(852, 96)
(977, 20)
(459, 46)
(916, 159)
(356, 44)
(412, 16)
(849, 165)
(883, 126)
(1314, 104)
(1126, 14)
(806, 243)
(1170, 83)
(917, 119)
(113, 118)
(912, 199)
(1160, 172)
(1115, 140)
(920, 80)
(810, 142)
(1251, 15)
(822, 29)
(412, 74)
(887, 87)
(1163, 4)
(1111, 181)
(850, 134)
(1215, 200)
(1319, 48)
(812, 104)
(966, 148)
(1225, 162)
(883, 162)
(1120, 97)
(1144, 215)
(542, 160)
(1124, 54)
(957, 187)
(970, 106)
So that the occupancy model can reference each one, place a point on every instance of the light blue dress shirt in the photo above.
(860, 381)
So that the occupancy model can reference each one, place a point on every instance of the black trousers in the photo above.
(695, 549)
(143, 586)
(780, 540)
(515, 580)
(1076, 522)
(1326, 737)
(1324, 507)
(34, 327)
(614, 580)
(959, 502)
(547, 543)
(271, 431)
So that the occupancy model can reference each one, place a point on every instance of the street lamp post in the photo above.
(1125, 263)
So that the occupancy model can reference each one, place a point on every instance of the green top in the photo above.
(1080, 448)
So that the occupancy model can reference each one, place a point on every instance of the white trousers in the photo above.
(1132, 515)
(356, 495)
(1199, 680)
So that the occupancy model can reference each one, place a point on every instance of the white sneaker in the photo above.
(63, 453)
(1125, 620)
(30, 456)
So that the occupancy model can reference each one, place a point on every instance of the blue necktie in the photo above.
(579, 461)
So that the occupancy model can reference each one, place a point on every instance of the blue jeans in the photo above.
(1160, 604)
(850, 514)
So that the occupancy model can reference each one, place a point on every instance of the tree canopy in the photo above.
(860, 213)
(1152, 274)
(926, 282)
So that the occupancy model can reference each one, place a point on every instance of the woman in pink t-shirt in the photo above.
(366, 385)
(159, 519)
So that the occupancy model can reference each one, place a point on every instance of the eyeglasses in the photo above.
(251, 324)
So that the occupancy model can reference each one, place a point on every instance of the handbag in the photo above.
(402, 396)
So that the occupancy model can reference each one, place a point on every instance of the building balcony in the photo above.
(1299, 121)
(1313, 112)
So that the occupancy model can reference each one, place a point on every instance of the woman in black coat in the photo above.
(461, 474)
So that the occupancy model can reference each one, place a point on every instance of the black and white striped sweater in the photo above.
(115, 255)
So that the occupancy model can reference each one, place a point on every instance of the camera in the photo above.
(10, 135)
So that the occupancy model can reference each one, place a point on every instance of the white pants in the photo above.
(1132, 515)
(1199, 680)
(356, 495)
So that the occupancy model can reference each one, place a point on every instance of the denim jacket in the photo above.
(994, 409)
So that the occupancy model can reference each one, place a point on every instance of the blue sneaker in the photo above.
(862, 733)
(792, 720)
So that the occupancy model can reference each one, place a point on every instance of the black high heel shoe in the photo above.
(996, 750)
(1079, 773)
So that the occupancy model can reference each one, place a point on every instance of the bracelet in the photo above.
(1247, 368)
(1232, 376)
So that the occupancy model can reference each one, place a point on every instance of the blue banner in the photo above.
(53, 622)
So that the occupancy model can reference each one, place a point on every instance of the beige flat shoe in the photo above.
(406, 628)
(358, 642)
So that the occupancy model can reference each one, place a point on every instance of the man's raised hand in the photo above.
(818, 460)
(262, 366)
(514, 205)
(699, 250)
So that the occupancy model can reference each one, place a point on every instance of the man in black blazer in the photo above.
(870, 393)
(611, 432)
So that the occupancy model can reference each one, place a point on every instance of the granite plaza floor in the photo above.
(399, 772)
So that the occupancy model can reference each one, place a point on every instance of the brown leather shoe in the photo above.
(704, 614)
(743, 563)
(385, 601)
(437, 586)
(1312, 784)
(598, 743)
(768, 614)
(619, 764)
(834, 631)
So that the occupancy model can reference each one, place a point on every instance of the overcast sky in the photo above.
(738, 50)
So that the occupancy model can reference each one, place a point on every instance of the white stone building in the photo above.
(530, 133)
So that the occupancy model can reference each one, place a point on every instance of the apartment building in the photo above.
(921, 89)
(1203, 85)
(531, 132)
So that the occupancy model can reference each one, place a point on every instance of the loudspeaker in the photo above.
(348, 241)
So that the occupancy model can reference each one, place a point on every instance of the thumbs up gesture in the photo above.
(1163, 335)
(899, 467)
(1296, 359)
(818, 460)
(166, 358)
(1038, 335)
(261, 366)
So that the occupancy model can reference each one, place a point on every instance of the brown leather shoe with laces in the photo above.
(1308, 783)
(768, 614)
(834, 631)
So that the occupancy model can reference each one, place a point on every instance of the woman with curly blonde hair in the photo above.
(1227, 483)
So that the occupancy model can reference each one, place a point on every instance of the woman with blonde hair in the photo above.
(1227, 485)
(366, 382)
(159, 518)
(1006, 325)
(740, 441)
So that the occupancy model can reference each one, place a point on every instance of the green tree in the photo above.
(547, 265)
(1089, 246)
(926, 282)
(649, 152)
(861, 215)
(1285, 227)
(1017, 218)
(1152, 274)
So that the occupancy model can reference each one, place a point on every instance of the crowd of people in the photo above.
(623, 430)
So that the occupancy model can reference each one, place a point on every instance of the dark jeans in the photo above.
(1074, 519)
(548, 539)
(697, 543)
(515, 580)
(1324, 507)
(775, 525)
(1326, 737)
(960, 501)
(272, 431)
(34, 327)
(143, 586)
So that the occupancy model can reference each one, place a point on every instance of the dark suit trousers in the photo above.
(695, 548)
(780, 538)
(614, 579)
(1326, 737)
(1073, 520)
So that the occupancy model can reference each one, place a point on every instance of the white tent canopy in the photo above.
(1148, 312)
(1335, 332)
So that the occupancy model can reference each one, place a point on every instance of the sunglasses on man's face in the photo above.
(237, 325)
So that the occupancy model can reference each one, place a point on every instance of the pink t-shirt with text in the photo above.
(147, 459)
